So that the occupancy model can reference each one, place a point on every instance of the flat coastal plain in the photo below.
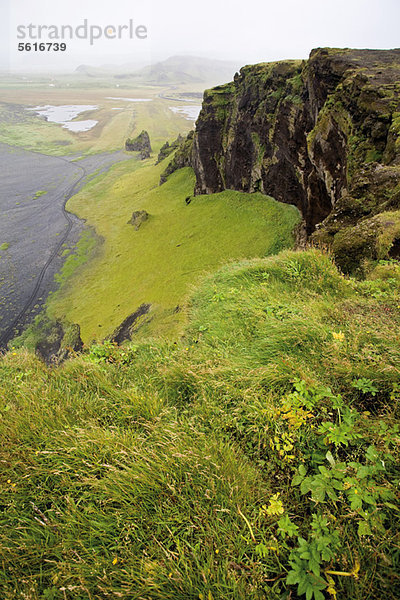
(35, 228)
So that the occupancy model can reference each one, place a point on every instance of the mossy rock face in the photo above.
(168, 148)
(140, 144)
(138, 217)
(50, 339)
(322, 134)
(71, 341)
(376, 238)
(182, 157)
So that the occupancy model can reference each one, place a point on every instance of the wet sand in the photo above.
(35, 228)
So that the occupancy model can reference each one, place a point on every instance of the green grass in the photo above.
(34, 134)
(152, 470)
(39, 194)
(4, 246)
(161, 261)
(77, 257)
(292, 306)
(248, 450)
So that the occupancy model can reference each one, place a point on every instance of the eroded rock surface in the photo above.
(322, 134)
(182, 157)
(138, 217)
(141, 144)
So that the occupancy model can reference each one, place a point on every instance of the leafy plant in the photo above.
(366, 386)
(286, 527)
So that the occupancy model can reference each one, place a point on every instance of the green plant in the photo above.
(307, 558)
(366, 386)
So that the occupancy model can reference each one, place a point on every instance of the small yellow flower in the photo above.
(114, 562)
(216, 551)
(331, 587)
(338, 336)
(170, 575)
(14, 354)
(8, 480)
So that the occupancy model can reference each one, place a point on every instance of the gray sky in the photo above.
(245, 31)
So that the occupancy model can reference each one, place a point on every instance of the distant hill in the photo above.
(174, 70)
(186, 69)
(108, 70)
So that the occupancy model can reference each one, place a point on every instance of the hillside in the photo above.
(187, 69)
(220, 417)
(256, 457)
(158, 263)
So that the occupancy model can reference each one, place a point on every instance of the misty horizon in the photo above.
(256, 32)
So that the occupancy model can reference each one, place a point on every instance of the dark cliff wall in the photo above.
(319, 134)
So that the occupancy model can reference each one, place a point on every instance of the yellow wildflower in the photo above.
(338, 336)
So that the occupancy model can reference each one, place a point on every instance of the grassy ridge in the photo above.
(176, 471)
(158, 263)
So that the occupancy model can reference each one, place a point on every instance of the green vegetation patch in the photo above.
(77, 257)
(39, 194)
(4, 246)
(160, 262)
(258, 458)
(304, 319)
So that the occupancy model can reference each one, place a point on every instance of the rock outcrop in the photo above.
(138, 217)
(54, 341)
(182, 157)
(322, 134)
(131, 324)
(167, 148)
(141, 144)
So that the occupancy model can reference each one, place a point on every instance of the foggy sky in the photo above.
(244, 31)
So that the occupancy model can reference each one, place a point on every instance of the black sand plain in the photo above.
(35, 228)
